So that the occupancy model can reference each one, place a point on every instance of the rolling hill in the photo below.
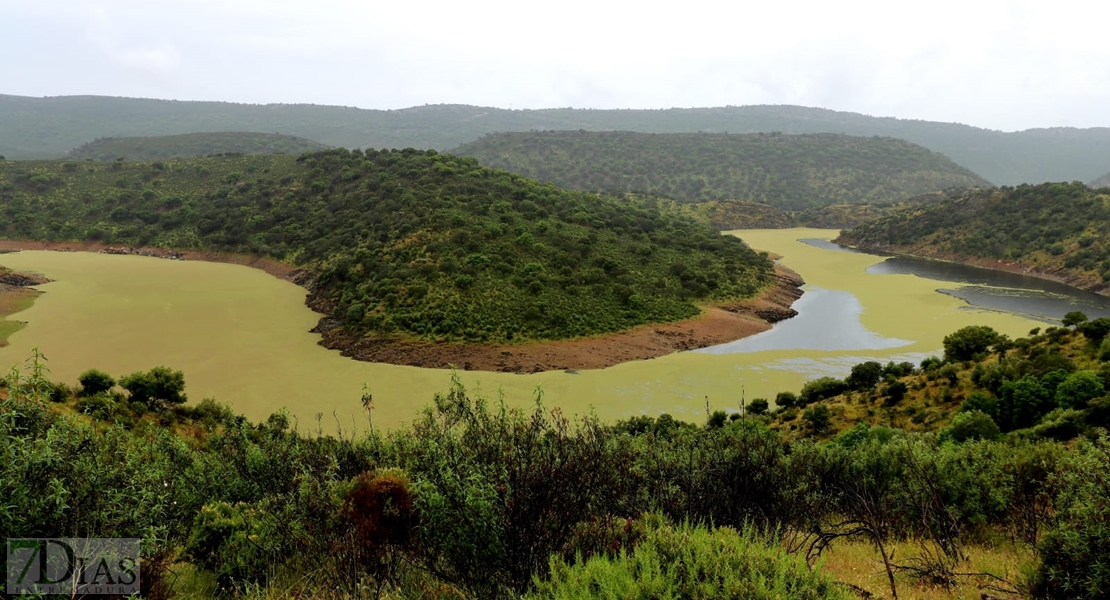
(50, 127)
(192, 144)
(1101, 182)
(1061, 231)
(791, 172)
(409, 244)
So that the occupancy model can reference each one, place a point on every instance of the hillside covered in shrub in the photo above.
(408, 243)
(1101, 182)
(1056, 229)
(191, 144)
(49, 127)
(791, 172)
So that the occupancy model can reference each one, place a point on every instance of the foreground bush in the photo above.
(690, 562)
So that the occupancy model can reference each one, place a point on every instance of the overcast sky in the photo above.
(999, 64)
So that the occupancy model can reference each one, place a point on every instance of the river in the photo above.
(242, 336)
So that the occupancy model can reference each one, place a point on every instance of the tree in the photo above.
(758, 406)
(160, 384)
(821, 389)
(865, 376)
(967, 343)
(971, 425)
(1074, 318)
(786, 400)
(819, 418)
(896, 391)
(1096, 330)
(95, 382)
(1078, 389)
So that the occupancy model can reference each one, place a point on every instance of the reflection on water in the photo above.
(999, 290)
(827, 320)
(828, 245)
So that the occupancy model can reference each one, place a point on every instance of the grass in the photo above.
(859, 564)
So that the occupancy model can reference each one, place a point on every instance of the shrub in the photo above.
(1073, 555)
(981, 402)
(819, 418)
(895, 392)
(758, 406)
(95, 382)
(969, 342)
(785, 400)
(227, 540)
(690, 562)
(1096, 330)
(865, 376)
(820, 389)
(971, 425)
(1078, 389)
(160, 384)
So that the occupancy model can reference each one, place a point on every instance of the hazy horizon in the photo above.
(995, 64)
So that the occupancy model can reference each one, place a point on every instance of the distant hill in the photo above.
(192, 144)
(50, 127)
(1101, 182)
(409, 245)
(791, 172)
(1056, 230)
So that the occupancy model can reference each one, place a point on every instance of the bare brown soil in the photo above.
(716, 325)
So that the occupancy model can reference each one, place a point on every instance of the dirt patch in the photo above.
(716, 325)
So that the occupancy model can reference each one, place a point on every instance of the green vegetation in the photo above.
(49, 127)
(690, 562)
(475, 500)
(411, 243)
(727, 215)
(792, 172)
(191, 144)
(1057, 228)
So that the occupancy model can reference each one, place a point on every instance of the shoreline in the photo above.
(717, 324)
(1065, 277)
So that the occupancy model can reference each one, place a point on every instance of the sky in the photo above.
(1005, 65)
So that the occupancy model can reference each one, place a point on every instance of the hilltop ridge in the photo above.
(49, 127)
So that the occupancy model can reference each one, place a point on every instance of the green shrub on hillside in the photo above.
(690, 562)
(406, 243)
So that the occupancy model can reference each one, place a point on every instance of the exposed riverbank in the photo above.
(717, 324)
(1059, 274)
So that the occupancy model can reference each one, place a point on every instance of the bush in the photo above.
(1078, 389)
(818, 418)
(981, 402)
(227, 540)
(160, 384)
(971, 425)
(690, 562)
(1104, 350)
(865, 376)
(758, 406)
(1096, 330)
(1073, 555)
(821, 389)
(969, 342)
(785, 400)
(895, 392)
(95, 382)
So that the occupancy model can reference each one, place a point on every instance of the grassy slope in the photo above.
(49, 127)
(1062, 230)
(411, 243)
(792, 172)
(192, 144)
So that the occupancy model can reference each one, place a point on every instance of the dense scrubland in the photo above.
(410, 244)
(477, 500)
(50, 127)
(191, 144)
(1055, 229)
(792, 172)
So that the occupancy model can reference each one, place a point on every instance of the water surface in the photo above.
(242, 337)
